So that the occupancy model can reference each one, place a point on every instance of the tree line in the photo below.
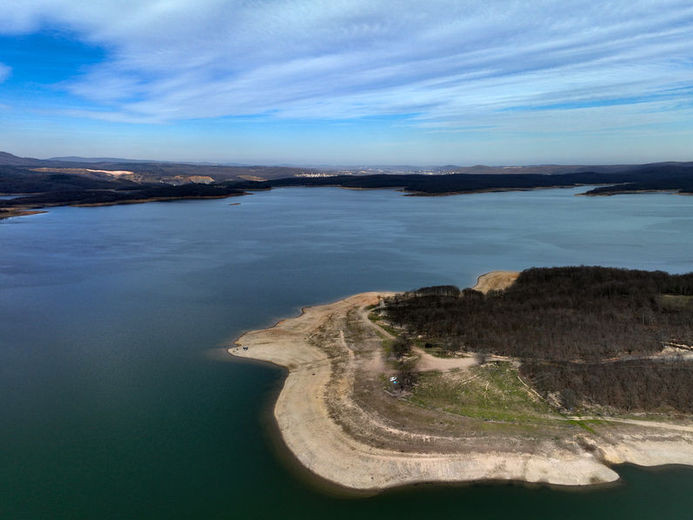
(635, 385)
(566, 313)
(570, 325)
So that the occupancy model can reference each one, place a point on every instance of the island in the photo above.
(546, 376)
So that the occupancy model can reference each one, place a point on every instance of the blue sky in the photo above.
(349, 81)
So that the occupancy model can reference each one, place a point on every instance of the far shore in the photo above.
(34, 208)
(21, 211)
(338, 422)
(9, 213)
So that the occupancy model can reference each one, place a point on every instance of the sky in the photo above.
(349, 82)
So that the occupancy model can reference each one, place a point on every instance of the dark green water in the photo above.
(113, 403)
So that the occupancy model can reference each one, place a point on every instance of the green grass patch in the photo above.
(675, 302)
(581, 424)
(489, 392)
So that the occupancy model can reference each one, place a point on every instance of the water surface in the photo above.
(114, 405)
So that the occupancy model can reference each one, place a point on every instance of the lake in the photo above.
(116, 401)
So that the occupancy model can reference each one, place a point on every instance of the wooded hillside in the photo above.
(592, 333)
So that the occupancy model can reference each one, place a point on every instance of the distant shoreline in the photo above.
(20, 212)
(10, 213)
(49, 186)
(34, 209)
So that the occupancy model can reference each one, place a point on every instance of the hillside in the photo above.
(443, 384)
(41, 183)
(589, 336)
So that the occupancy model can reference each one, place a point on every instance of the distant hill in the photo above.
(544, 169)
(677, 178)
(74, 180)
(77, 159)
(143, 171)
(8, 159)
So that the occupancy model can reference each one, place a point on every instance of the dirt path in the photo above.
(335, 417)
(429, 362)
(363, 312)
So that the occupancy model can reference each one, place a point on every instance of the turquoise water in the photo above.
(114, 402)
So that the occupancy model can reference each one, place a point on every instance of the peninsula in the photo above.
(375, 397)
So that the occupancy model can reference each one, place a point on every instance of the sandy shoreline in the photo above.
(323, 421)
(11, 213)
(34, 209)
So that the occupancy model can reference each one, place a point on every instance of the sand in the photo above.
(495, 281)
(360, 443)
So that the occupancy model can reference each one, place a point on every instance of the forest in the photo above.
(592, 332)
(674, 178)
(632, 385)
(683, 185)
(70, 189)
(38, 188)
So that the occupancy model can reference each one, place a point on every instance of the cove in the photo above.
(114, 404)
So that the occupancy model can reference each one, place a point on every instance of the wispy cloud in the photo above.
(4, 72)
(447, 63)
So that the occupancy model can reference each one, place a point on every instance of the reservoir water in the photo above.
(117, 403)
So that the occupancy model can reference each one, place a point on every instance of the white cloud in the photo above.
(4, 72)
(445, 63)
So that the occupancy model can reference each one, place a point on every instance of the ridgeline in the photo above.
(35, 184)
